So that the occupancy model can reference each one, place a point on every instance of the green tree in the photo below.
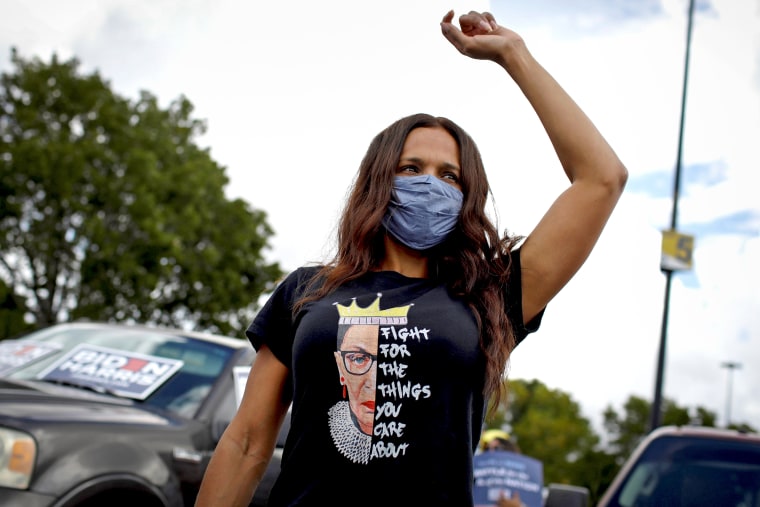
(595, 470)
(548, 425)
(12, 310)
(626, 430)
(109, 210)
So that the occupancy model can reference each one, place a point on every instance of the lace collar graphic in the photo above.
(350, 441)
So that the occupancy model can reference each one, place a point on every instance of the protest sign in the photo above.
(500, 473)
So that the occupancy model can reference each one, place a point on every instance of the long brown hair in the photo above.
(473, 262)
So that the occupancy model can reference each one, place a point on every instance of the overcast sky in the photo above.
(294, 92)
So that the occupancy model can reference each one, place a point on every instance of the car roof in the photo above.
(228, 341)
(705, 432)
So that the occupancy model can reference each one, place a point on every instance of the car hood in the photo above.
(29, 407)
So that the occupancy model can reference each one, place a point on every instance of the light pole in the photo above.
(731, 367)
(655, 416)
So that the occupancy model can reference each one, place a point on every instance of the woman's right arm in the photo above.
(245, 449)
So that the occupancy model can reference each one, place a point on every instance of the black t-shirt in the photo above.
(392, 413)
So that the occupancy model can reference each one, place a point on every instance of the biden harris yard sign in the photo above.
(119, 372)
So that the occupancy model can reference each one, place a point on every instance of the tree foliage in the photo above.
(12, 310)
(109, 210)
(626, 430)
(547, 425)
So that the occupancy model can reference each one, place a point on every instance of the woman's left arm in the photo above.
(564, 237)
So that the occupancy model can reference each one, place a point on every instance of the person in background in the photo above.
(418, 255)
(499, 440)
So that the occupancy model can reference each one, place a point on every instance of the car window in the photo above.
(202, 361)
(686, 471)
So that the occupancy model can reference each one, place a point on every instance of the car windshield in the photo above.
(692, 471)
(159, 369)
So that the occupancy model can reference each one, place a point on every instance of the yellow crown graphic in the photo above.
(372, 314)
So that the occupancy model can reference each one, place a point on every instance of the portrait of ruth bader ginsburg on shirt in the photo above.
(351, 420)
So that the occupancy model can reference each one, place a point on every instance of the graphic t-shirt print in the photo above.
(371, 340)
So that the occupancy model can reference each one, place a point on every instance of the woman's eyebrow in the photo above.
(419, 161)
(451, 166)
(414, 160)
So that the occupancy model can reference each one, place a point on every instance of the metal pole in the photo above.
(656, 417)
(731, 367)
(656, 413)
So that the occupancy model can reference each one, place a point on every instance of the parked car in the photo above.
(688, 466)
(95, 414)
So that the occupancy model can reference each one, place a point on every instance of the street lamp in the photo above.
(731, 367)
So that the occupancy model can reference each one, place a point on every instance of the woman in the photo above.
(418, 257)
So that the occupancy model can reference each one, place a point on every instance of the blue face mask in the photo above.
(422, 211)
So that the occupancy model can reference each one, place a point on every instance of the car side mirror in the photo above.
(563, 495)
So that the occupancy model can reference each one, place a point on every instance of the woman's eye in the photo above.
(451, 176)
(409, 169)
